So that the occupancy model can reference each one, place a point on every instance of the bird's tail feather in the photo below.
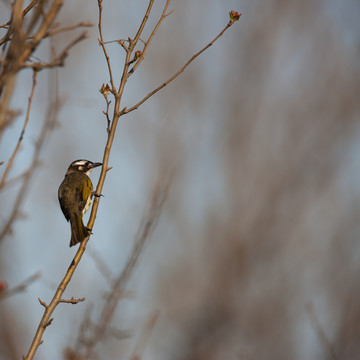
(78, 231)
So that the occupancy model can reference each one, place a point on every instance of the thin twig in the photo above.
(71, 301)
(106, 113)
(132, 44)
(147, 43)
(102, 44)
(7, 36)
(44, 26)
(142, 25)
(27, 117)
(127, 110)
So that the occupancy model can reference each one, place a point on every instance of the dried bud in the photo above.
(234, 15)
(105, 89)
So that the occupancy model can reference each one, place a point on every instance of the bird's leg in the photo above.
(96, 195)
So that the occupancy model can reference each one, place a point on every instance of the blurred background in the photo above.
(257, 253)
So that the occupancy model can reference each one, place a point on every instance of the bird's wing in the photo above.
(83, 193)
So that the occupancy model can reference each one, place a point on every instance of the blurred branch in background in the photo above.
(143, 339)
(91, 334)
(19, 44)
(8, 166)
(280, 223)
(5, 293)
(263, 214)
(48, 125)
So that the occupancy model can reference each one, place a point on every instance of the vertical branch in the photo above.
(147, 43)
(10, 162)
(11, 63)
(142, 25)
(116, 114)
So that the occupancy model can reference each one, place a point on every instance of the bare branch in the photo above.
(44, 26)
(147, 43)
(142, 25)
(102, 44)
(71, 301)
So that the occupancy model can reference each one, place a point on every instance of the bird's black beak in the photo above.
(94, 165)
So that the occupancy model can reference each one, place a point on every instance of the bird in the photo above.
(75, 197)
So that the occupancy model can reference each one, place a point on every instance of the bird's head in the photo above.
(84, 166)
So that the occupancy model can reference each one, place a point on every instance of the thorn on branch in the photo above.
(49, 323)
(43, 303)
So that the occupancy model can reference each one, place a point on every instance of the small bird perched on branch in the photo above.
(75, 193)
